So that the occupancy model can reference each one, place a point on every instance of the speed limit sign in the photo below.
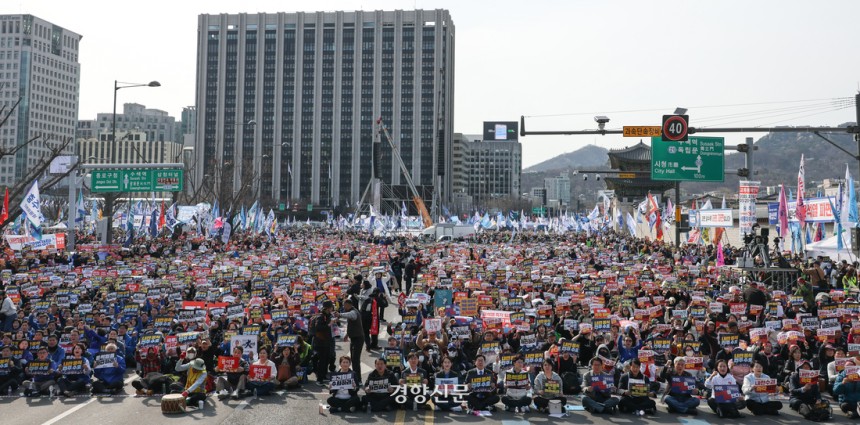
(675, 128)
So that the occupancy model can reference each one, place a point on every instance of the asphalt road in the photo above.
(303, 405)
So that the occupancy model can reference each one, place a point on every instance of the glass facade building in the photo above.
(292, 101)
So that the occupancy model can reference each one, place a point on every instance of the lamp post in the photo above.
(111, 197)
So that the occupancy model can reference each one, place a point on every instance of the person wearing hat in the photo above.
(323, 341)
(110, 379)
(8, 312)
(803, 397)
(195, 381)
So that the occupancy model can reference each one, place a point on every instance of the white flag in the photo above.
(31, 204)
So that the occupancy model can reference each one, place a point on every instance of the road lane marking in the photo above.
(401, 416)
(81, 406)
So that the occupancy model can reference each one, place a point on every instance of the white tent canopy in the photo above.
(827, 248)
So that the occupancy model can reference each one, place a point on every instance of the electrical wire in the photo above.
(814, 111)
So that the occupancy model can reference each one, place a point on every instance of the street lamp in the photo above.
(110, 197)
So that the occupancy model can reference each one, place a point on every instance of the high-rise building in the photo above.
(132, 147)
(558, 188)
(295, 98)
(40, 63)
(486, 169)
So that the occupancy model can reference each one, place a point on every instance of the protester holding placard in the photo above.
(447, 387)
(599, 387)
(547, 387)
(379, 387)
(234, 374)
(10, 371)
(636, 391)
(109, 371)
(40, 373)
(516, 398)
(835, 366)
(413, 380)
(75, 370)
(725, 398)
(847, 389)
(803, 387)
(344, 388)
(680, 389)
(481, 383)
(262, 374)
(757, 389)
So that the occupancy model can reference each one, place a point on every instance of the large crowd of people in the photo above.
(531, 323)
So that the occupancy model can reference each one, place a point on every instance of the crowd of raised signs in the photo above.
(523, 324)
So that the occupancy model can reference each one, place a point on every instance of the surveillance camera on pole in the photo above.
(601, 121)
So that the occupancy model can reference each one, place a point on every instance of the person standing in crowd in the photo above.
(355, 332)
(323, 341)
(8, 312)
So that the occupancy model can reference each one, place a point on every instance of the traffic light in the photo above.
(747, 149)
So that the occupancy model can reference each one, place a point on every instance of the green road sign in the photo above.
(310, 207)
(137, 180)
(281, 206)
(539, 210)
(698, 159)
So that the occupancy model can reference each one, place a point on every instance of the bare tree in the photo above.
(54, 147)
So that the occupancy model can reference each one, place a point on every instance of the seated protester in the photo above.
(445, 385)
(680, 389)
(289, 366)
(570, 377)
(10, 371)
(379, 387)
(516, 398)
(149, 362)
(481, 384)
(831, 368)
(411, 377)
(109, 379)
(548, 387)
(722, 378)
(759, 403)
(231, 382)
(635, 390)
(262, 383)
(803, 397)
(75, 370)
(195, 382)
(55, 352)
(40, 374)
(344, 388)
(598, 384)
(847, 388)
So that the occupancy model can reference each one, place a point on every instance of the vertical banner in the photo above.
(747, 194)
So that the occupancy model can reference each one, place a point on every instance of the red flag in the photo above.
(659, 227)
(5, 215)
(161, 219)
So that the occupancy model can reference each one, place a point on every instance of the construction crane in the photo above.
(416, 198)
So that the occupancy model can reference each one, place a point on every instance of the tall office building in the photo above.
(39, 64)
(291, 100)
